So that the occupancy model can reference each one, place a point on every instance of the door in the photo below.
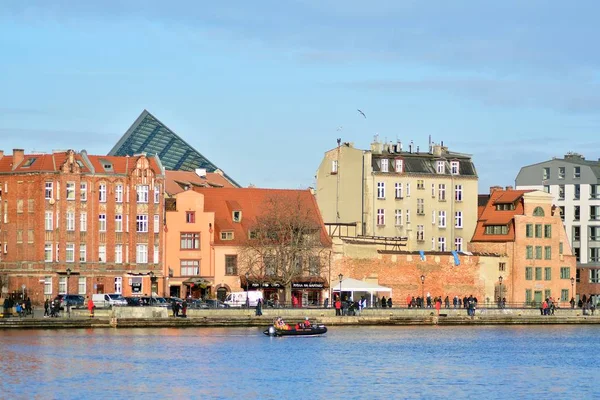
(537, 297)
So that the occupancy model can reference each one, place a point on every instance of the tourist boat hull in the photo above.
(312, 331)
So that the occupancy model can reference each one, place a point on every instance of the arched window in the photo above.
(538, 212)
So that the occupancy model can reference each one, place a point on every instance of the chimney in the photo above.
(436, 150)
(509, 188)
(201, 172)
(410, 147)
(1, 154)
(18, 155)
(494, 188)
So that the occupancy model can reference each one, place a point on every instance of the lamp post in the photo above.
(422, 289)
(151, 275)
(572, 292)
(340, 277)
(500, 294)
(247, 290)
(67, 304)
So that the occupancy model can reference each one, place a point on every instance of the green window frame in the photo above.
(528, 273)
(564, 295)
(560, 248)
(538, 230)
(528, 296)
(547, 231)
(538, 273)
(547, 294)
(547, 252)
(529, 230)
(529, 255)
(565, 272)
(538, 252)
(548, 273)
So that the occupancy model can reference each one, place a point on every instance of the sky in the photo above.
(264, 88)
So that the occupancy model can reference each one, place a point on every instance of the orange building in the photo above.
(80, 224)
(524, 226)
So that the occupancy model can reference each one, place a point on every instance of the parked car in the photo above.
(172, 300)
(108, 300)
(133, 301)
(214, 303)
(154, 301)
(73, 300)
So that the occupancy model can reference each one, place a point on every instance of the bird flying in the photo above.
(361, 113)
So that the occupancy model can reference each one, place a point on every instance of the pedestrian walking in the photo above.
(259, 307)
(90, 307)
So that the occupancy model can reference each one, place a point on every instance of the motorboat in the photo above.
(294, 331)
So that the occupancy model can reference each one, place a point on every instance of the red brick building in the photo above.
(80, 224)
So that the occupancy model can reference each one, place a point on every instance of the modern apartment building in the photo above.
(429, 198)
(80, 224)
(574, 184)
(526, 230)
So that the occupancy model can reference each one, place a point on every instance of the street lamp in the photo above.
(151, 274)
(67, 302)
(247, 289)
(340, 277)
(500, 297)
(572, 292)
(422, 289)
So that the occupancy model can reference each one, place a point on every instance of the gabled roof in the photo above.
(251, 202)
(149, 135)
(491, 216)
(179, 181)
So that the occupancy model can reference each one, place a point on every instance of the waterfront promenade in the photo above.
(127, 317)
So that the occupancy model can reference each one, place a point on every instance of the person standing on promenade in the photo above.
(572, 302)
(175, 309)
(389, 302)
(338, 306)
(428, 300)
(90, 307)
(259, 307)
(184, 306)
(438, 305)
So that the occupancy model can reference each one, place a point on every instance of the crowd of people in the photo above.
(22, 306)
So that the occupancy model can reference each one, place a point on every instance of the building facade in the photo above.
(80, 224)
(429, 198)
(574, 184)
(526, 229)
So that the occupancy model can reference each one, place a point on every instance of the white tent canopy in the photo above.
(354, 285)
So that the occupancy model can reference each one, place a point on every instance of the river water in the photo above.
(554, 362)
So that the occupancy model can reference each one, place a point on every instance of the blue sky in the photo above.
(260, 88)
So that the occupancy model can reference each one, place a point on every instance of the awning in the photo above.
(303, 282)
(200, 282)
(354, 285)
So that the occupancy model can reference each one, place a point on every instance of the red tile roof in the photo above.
(176, 181)
(490, 216)
(251, 201)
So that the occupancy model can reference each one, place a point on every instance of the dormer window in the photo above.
(237, 216)
(107, 165)
(505, 207)
(227, 235)
(454, 167)
(496, 230)
(399, 166)
(28, 162)
(441, 167)
(384, 165)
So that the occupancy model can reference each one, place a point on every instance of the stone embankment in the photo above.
(158, 317)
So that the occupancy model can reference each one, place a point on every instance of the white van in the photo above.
(108, 300)
(238, 299)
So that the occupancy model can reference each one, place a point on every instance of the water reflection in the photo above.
(349, 362)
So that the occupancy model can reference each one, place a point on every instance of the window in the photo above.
(48, 224)
(141, 254)
(118, 223)
(82, 253)
(70, 252)
(441, 244)
(381, 190)
(227, 235)
(547, 231)
(433, 214)
(102, 253)
(420, 233)
(595, 213)
(458, 219)
(190, 241)
(30, 205)
(190, 217)
(399, 166)
(118, 253)
(547, 273)
(398, 217)
(561, 211)
(156, 223)
(560, 248)
(577, 190)
(458, 193)
(141, 223)
(442, 219)
(538, 252)
(119, 193)
(454, 167)
(441, 167)
(547, 293)
(576, 172)
(576, 213)
(190, 267)
(564, 295)
(48, 252)
(546, 173)
(501, 266)
(384, 165)
(19, 235)
(538, 230)
(496, 229)
(380, 216)
(547, 252)
(118, 284)
(83, 221)
(81, 286)
(48, 192)
(442, 192)
(30, 236)
(70, 221)
(561, 192)
(577, 253)
(433, 190)
(231, 264)
(420, 184)
(102, 193)
(19, 206)
(538, 212)
(594, 255)
(546, 188)
(398, 189)
(594, 233)
(576, 233)
(102, 222)
(156, 194)
(561, 172)
(334, 166)
(314, 266)
(594, 276)
(62, 284)
(529, 230)
(538, 273)
(420, 206)
(155, 255)
(70, 190)
(408, 216)
(458, 243)
(83, 191)
(528, 273)
(407, 189)
(528, 296)
(594, 191)
(142, 193)
(529, 253)
(57, 219)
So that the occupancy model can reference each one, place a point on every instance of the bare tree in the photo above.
(286, 241)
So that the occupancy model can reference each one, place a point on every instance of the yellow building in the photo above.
(429, 198)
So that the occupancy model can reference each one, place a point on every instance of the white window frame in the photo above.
(441, 167)
(407, 189)
(48, 220)
(57, 254)
(433, 190)
(102, 222)
(62, 285)
(156, 194)
(441, 243)
(83, 191)
(399, 166)
(82, 285)
(102, 253)
(454, 167)
(380, 217)
(398, 217)
(118, 222)
(398, 190)
(407, 216)
(141, 223)
(385, 165)
(118, 253)
(49, 190)
(433, 243)
(83, 221)
(70, 221)
(156, 223)
(142, 194)
(334, 166)
(442, 192)
(119, 193)
(82, 252)
(420, 233)
(48, 249)
(70, 252)
(458, 193)
(458, 219)
(442, 219)
(381, 190)
(118, 284)
(458, 244)
(48, 286)
(155, 258)
(70, 187)
(141, 253)
(102, 193)
(433, 217)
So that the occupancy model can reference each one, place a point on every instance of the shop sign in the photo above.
(308, 285)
